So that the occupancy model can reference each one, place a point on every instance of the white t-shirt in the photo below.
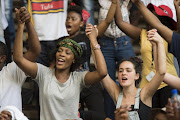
(49, 18)
(169, 3)
(59, 101)
(11, 81)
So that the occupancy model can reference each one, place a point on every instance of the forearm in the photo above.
(172, 81)
(161, 57)
(154, 22)
(130, 30)
(18, 44)
(34, 44)
(111, 12)
(99, 60)
(109, 18)
(155, 56)
(178, 19)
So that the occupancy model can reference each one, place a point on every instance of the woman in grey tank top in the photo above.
(129, 76)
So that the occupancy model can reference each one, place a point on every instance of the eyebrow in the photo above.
(125, 68)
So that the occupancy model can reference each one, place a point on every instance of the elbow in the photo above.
(162, 73)
(36, 51)
(16, 59)
(103, 74)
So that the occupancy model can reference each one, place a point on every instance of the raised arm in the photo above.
(172, 81)
(101, 72)
(176, 4)
(112, 88)
(152, 20)
(28, 67)
(129, 29)
(158, 45)
(109, 18)
(34, 44)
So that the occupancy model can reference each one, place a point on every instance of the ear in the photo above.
(137, 76)
(74, 61)
(82, 24)
(2, 59)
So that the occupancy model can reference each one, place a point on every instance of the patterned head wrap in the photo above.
(72, 45)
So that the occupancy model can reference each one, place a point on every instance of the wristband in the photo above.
(97, 47)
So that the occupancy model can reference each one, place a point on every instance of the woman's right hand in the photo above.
(91, 31)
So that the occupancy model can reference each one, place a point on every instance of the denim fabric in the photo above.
(9, 17)
(114, 50)
(89, 6)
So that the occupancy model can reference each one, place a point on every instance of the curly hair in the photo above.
(137, 63)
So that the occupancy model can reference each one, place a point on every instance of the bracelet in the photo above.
(114, 2)
(97, 47)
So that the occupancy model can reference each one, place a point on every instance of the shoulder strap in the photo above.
(120, 97)
(137, 99)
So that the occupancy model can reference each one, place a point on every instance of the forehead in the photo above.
(126, 64)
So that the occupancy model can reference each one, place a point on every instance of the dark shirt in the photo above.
(143, 111)
(174, 47)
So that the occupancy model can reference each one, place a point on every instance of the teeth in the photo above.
(61, 60)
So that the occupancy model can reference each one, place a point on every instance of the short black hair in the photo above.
(137, 62)
(3, 49)
(76, 9)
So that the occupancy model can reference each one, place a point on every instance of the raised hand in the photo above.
(154, 37)
(24, 15)
(91, 31)
(17, 15)
(177, 4)
(5, 115)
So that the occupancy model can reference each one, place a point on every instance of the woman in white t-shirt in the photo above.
(60, 87)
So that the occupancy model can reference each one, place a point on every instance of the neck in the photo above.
(73, 35)
(62, 75)
(129, 91)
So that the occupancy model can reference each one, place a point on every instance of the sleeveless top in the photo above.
(139, 111)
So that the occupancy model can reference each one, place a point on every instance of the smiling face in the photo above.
(127, 74)
(73, 23)
(64, 58)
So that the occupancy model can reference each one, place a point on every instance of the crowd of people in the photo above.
(62, 37)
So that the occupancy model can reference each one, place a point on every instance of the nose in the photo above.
(69, 20)
(124, 72)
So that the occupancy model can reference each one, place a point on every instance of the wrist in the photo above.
(114, 2)
(96, 47)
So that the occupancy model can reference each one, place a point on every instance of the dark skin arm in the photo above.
(34, 44)
(176, 4)
(152, 20)
(129, 29)
(109, 18)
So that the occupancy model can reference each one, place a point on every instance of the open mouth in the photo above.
(60, 61)
(124, 78)
(68, 27)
